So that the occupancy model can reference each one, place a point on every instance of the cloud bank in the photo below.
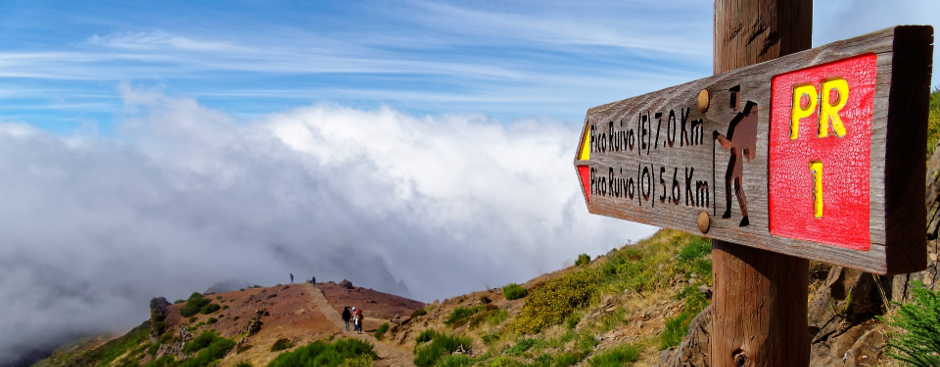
(183, 196)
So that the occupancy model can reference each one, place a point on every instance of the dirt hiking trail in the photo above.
(389, 354)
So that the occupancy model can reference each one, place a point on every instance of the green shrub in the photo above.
(552, 302)
(419, 312)
(461, 315)
(514, 291)
(583, 259)
(380, 332)
(152, 350)
(281, 344)
(428, 354)
(343, 352)
(210, 308)
(623, 355)
(200, 342)
(933, 122)
(212, 320)
(425, 336)
(918, 343)
(454, 360)
(197, 303)
(489, 339)
(572, 321)
(215, 351)
(194, 304)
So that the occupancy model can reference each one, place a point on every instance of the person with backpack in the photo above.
(357, 318)
(346, 316)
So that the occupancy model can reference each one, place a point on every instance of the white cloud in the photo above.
(160, 40)
(185, 196)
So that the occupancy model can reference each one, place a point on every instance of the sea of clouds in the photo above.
(181, 196)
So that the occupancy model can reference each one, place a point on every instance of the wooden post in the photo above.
(760, 297)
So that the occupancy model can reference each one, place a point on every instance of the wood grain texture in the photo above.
(898, 124)
(760, 301)
(759, 308)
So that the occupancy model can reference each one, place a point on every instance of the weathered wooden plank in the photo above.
(657, 159)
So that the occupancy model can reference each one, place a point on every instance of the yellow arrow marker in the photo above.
(585, 146)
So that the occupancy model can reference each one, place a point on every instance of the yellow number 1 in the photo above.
(817, 169)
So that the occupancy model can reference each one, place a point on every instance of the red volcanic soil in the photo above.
(300, 312)
(374, 304)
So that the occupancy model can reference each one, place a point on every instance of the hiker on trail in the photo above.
(346, 316)
(357, 319)
(292, 277)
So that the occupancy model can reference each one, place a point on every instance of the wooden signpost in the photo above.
(818, 154)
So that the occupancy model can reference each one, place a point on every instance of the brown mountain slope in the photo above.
(296, 313)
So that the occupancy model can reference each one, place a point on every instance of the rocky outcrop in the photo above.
(694, 350)
(158, 311)
(842, 310)
(346, 284)
(900, 289)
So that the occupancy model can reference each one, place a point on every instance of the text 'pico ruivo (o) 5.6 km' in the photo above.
(818, 154)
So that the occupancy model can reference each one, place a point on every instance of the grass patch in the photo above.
(623, 355)
(677, 327)
(612, 320)
(113, 349)
(427, 354)
(514, 291)
(380, 332)
(918, 342)
(343, 352)
(282, 344)
(454, 360)
(497, 317)
(521, 346)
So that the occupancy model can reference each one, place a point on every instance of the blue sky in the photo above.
(155, 149)
(62, 63)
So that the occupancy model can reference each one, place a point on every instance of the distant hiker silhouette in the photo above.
(742, 141)
(291, 277)
(346, 316)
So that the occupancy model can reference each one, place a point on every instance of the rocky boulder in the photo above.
(158, 311)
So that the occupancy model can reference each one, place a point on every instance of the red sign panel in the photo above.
(820, 152)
